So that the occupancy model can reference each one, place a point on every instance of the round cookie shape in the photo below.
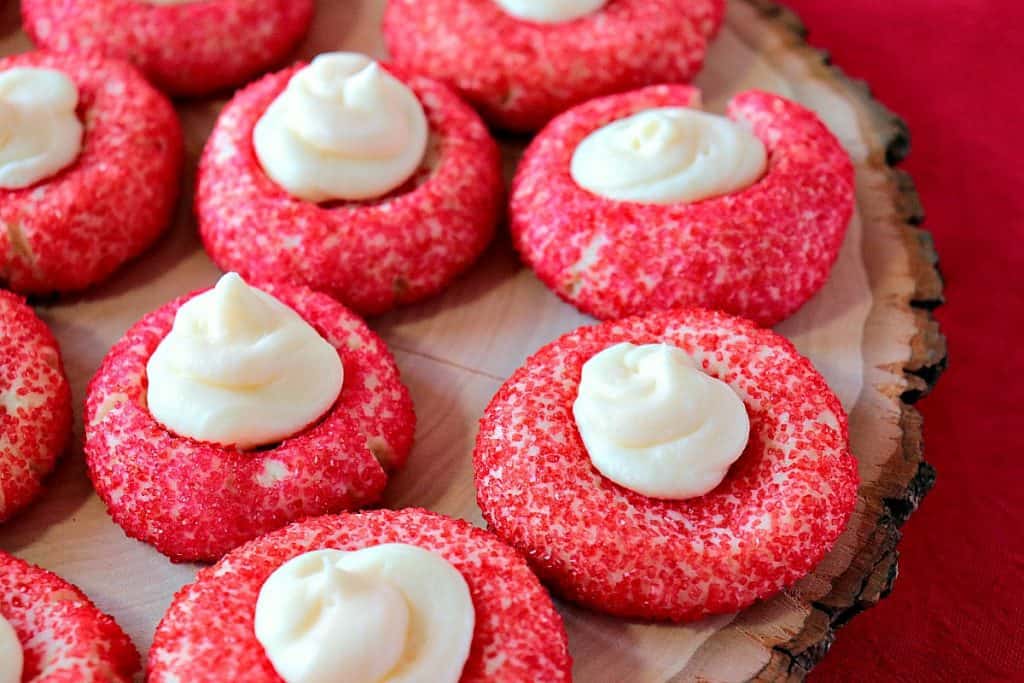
(187, 48)
(35, 404)
(63, 635)
(760, 253)
(371, 255)
(520, 73)
(75, 228)
(196, 500)
(207, 633)
(779, 509)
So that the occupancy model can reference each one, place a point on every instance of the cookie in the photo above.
(195, 500)
(73, 229)
(190, 48)
(207, 633)
(760, 252)
(63, 636)
(371, 255)
(779, 510)
(35, 404)
(520, 73)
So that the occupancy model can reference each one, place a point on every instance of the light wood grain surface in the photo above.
(860, 331)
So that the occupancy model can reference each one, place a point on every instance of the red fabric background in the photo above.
(953, 70)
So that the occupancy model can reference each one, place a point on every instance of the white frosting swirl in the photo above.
(241, 368)
(391, 613)
(343, 128)
(654, 423)
(550, 11)
(12, 658)
(668, 155)
(39, 131)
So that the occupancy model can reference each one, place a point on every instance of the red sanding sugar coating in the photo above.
(73, 229)
(35, 404)
(521, 73)
(193, 48)
(759, 253)
(780, 508)
(370, 255)
(207, 634)
(193, 500)
(64, 637)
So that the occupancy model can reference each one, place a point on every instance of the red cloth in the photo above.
(953, 70)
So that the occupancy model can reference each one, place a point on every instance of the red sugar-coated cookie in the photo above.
(193, 500)
(780, 508)
(64, 637)
(35, 404)
(207, 634)
(521, 73)
(74, 228)
(371, 255)
(193, 48)
(759, 253)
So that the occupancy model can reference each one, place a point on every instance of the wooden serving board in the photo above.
(869, 331)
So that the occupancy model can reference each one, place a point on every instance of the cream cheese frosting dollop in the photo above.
(667, 155)
(241, 368)
(343, 128)
(390, 613)
(550, 11)
(39, 131)
(654, 423)
(12, 658)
